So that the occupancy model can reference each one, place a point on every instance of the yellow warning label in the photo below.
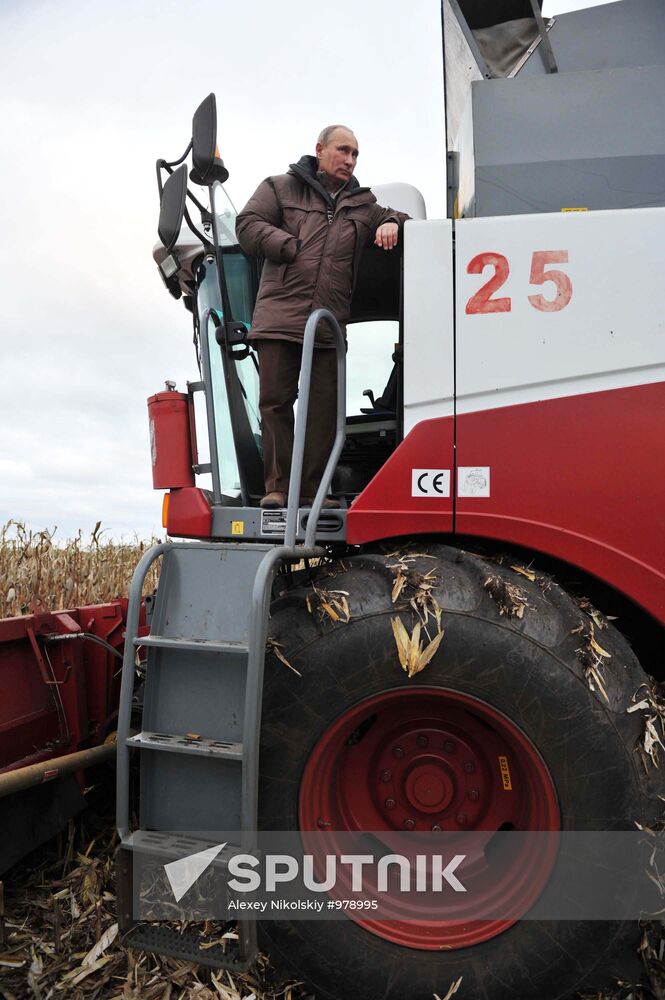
(237, 527)
(505, 774)
(574, 209)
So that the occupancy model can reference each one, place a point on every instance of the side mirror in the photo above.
(207, 166)
(172, 209)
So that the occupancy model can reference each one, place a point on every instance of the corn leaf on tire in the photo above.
(528, 670)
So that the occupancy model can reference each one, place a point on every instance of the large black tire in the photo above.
(530, 669)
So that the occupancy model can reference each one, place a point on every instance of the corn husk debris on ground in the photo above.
(61, 940)
(59, 935)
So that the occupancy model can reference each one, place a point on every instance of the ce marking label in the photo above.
(430, 482)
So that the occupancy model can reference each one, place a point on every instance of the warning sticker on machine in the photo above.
(273, 522)
(473, 481)
(505, 774)
(430, 482)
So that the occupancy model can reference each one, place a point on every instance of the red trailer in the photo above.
(60, 680)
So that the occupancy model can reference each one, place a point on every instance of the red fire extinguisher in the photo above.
(172, 439)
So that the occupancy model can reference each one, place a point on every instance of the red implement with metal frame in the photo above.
(60, 684)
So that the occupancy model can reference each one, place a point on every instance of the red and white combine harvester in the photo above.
(472, 626)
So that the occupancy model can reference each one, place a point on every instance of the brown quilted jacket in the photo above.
(312, 246)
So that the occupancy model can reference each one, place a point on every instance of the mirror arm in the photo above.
(168, 165)
(176, 163)
(196, 201)
(206, 243)
(158, 168)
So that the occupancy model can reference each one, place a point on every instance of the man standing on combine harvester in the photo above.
(311, 225)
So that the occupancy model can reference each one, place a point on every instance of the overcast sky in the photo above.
(92, 92)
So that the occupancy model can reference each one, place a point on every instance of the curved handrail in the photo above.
(127, 685)
(301, 428)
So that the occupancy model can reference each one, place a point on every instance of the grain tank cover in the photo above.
(590, 135)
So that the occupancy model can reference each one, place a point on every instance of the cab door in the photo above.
(412, 492)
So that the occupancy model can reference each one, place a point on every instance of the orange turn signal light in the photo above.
(165, 509)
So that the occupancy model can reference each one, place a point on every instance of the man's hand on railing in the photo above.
(386, 235)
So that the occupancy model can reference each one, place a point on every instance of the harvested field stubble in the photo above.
(59, 938)
(37, 568)
(59, 934)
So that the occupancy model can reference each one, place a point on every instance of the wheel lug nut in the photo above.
(390, 803)
(460, 819)
(449, 746)
(422, 741)
(436, 827)
(398, 752)
(469, 766)
(409, 824)
(386, 775)
(474, 794)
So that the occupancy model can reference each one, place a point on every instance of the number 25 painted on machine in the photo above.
(482, 301)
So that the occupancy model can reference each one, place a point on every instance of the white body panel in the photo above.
(402, 197)
(611, 332)
(428, 321)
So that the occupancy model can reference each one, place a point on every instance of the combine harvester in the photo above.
(509, 480)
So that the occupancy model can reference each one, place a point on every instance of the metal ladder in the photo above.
(201, 721)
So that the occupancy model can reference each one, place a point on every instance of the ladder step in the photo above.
(168, 846)
(193, 645)
(174, 846)
(187, 744)
(185, 946)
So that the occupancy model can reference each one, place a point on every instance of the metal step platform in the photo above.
(219, 949)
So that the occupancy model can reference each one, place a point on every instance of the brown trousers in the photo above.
(279, 368)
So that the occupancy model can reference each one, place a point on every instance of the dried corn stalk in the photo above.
(274, 647)
(592, 656)
(652, 704)
(452, 991)
(508, 597)
(599, 620)
(332, 604)
(523, 571)
(34, 566)
(413, 657)
(54, 950)
(415, 588)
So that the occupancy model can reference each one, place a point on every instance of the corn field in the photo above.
(36, 568)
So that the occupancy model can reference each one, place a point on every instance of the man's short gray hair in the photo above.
(326, 134)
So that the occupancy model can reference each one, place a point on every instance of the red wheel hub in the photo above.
(428, 788)
(434, 759)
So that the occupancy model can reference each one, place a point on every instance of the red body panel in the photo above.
(386, 508)
(189, 513)
(581, 478)
(58, 696)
